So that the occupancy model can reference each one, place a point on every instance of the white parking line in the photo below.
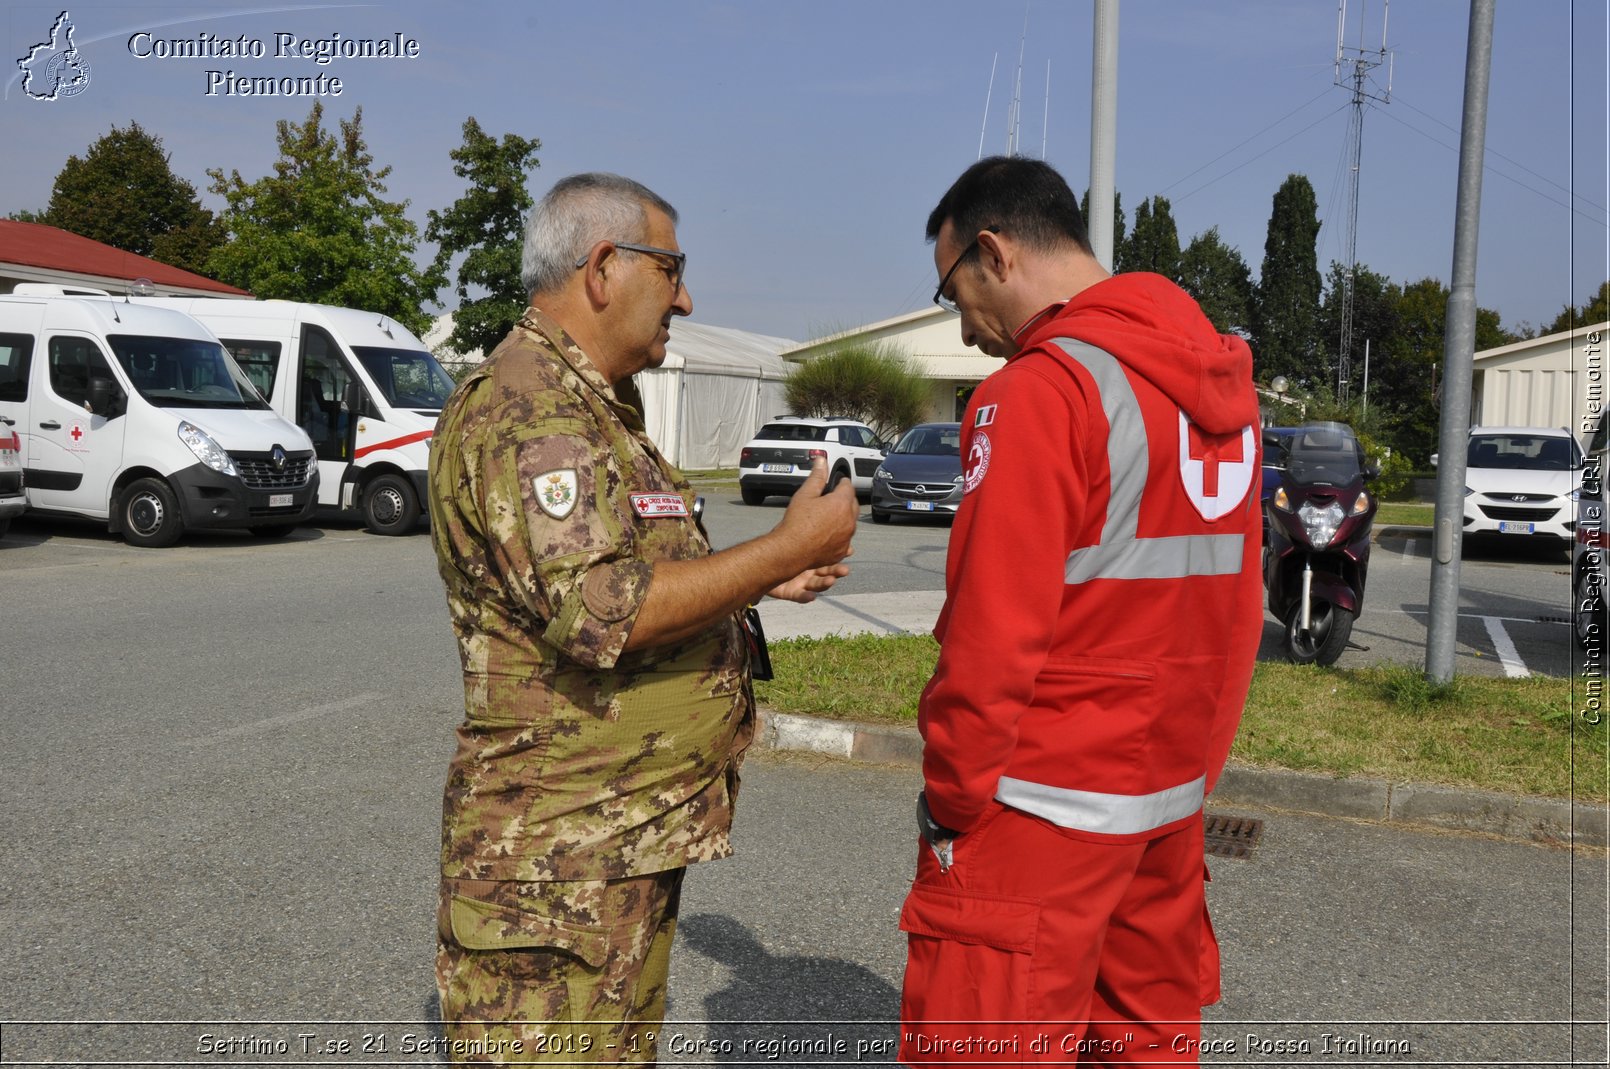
(1408, 549)
(1508, 655)
(269, 723)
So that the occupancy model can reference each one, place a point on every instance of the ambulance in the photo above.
(364, 388)
(138, 417)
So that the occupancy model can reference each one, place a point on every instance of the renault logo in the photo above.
(277, 457)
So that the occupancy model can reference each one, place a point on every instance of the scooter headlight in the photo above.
(207, 451)
(1321, 523)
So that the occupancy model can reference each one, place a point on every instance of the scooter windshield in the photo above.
(1325, 454)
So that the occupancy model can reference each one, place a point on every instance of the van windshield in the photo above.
(184, 372)
(409, 378)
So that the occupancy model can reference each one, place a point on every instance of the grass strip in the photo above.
(1405, 513)
(1380, 721)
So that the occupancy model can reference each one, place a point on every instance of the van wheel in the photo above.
(149, 514)
(390, 506)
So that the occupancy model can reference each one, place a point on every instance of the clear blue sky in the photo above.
(805, 143)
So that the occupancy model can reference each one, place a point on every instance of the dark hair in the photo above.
(1026, 198)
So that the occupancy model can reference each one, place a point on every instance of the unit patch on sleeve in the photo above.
(556, 492)
(984, 416)
(650, 506)
(977, 462)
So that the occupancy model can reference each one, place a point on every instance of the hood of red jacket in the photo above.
(1156, 330)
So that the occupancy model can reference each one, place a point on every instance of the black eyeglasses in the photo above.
(679, 260)
(939, 294)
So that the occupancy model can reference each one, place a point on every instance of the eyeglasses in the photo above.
(939, 294)
(679, 260)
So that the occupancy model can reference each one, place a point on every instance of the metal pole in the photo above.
(1103, 128)
(1458, 349)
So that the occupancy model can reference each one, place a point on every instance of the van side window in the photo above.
(319, 396)
(259, 359)
(16, 355)
(73, 362)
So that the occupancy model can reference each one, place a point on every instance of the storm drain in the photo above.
(1230, 836)
(1553, 620)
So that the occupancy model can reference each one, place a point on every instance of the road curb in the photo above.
(1512, 816)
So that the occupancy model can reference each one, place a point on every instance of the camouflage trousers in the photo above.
(555, 973)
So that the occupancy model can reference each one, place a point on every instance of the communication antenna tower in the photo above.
(1353, 68)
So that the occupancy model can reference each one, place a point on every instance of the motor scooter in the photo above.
(1318, 551)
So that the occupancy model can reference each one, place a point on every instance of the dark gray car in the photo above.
(922, 475)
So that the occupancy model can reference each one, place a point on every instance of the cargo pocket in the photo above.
(968, 960)
(488, 926)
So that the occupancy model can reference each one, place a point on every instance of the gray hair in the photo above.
(576, 214)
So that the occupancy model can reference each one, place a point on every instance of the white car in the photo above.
(12, 501)
(778, 458)
(1522, 481)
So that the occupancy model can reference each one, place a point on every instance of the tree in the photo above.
(1216, 275)
(24, 215)
(486, 225)
(1117, 218)
(318, 228)
(1154, 243)
(1410, 385)
(1285, 334)
(1597, 310)
(123, 193)
(870, 381)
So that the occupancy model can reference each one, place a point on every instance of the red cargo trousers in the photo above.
(1042, 945)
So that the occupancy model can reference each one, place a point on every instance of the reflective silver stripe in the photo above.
(1106, 814)
(1173, 557)
(1121, 554)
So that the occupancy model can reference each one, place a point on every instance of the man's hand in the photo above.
(804, 587)
(820, 525)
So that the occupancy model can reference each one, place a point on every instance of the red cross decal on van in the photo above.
(1212, 452)
(76, 433)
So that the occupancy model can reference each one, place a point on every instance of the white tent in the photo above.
(715, 389)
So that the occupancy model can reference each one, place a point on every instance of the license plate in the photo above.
(1512, 527)
(280, 501)
(919, 506)
(777, 469)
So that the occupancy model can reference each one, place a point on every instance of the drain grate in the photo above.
(1230, 836)
(1553, 619)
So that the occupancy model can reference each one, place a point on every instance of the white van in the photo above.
(365, 389)
(138, 416)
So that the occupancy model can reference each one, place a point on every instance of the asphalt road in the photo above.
(224, 764)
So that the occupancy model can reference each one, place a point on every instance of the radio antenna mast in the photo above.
(1014, 115)
(987, 94)
(1353, 67)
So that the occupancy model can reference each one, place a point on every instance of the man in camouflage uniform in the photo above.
(606, 673)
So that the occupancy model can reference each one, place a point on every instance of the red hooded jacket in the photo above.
(1104, 603)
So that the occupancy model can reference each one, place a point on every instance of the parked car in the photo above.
(921, 475)
(1522, 481)
(778, 458)
(12, 500)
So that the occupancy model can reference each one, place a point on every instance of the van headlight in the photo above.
(207, 451)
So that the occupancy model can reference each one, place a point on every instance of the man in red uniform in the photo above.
(1101, 619)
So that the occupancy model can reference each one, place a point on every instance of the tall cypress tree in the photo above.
(1154, 244)
(1285, 338)
(1117, 219)
(1216, 275)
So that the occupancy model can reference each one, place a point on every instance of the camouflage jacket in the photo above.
(549, 506)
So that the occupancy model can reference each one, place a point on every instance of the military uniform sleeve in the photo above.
(557, 503)
(1026, 489)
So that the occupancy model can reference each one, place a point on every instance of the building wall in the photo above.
(1557, 381)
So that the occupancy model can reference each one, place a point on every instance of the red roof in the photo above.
(37, 245)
